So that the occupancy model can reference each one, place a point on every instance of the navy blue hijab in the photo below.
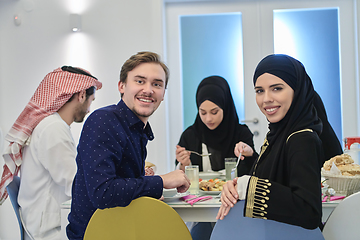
(307, 109)
(301, 114)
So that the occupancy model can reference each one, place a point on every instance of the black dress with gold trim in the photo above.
(288, 189)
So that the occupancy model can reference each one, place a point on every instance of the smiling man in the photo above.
(112, 147)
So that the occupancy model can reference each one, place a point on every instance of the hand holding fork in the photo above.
(183, 156)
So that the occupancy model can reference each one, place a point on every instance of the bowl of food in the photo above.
(342, 174)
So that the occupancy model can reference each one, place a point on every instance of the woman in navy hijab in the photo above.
(284, 184)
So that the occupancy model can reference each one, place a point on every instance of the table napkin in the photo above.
(191, 199)
(333, 198)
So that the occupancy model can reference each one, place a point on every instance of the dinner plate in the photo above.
(209, 175)
(202, 192)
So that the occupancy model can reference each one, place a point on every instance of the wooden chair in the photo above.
(236, 226)
(143, 218)
(344, 221)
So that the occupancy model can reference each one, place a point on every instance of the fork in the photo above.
(201, 155)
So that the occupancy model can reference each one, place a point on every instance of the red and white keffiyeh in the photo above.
(53, 92)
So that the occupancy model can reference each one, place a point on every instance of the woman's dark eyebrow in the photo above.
(215, 108)
(277, 84)
(274, 85)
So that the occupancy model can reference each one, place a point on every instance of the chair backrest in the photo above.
(13, 191)
(344, 221)
(235, 225)
(143, 218)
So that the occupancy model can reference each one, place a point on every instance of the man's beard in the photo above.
(81, 113)
(80, 117)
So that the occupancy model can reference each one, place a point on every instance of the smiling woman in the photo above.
(284, 184)
(273, 96)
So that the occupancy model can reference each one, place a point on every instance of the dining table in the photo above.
(204, 211)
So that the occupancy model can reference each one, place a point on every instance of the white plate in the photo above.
(202, 192)
(175, 197)
(209, 175)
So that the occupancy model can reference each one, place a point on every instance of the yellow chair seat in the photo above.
(143, 218)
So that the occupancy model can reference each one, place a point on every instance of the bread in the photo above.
(350, 169)
(338, 160)
(150, 169)
(149, 164)
(344, 163)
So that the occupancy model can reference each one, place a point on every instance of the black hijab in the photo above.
(217, 90)
(331, 143)
(301, 114)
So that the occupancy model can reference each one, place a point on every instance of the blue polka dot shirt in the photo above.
(111, 159)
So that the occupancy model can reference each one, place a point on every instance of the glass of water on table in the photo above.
(192, 172)
(230, 163)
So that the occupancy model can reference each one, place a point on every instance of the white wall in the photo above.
(111, 32)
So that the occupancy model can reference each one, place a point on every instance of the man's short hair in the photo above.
(139, 58)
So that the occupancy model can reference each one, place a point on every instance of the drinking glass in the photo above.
(230, 163)
(192, 172)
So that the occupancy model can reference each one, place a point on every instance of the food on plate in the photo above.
(211, 185)
(344, 163)
(149, 164)
(150, 169)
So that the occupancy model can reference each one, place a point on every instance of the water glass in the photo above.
(192, 172)
(230, 163)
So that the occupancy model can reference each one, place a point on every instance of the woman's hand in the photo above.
(229, 197)
(183, 157)
(244, 149)
(229, 194)
(223, 211)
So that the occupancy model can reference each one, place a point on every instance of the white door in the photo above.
(257, 19)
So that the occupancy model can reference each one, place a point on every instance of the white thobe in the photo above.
(47, 172)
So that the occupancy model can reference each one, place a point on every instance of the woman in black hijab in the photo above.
(218, 128)
(285, 181)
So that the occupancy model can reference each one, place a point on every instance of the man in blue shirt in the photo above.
(112, 147)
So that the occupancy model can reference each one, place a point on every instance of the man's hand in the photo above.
(176, 179)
